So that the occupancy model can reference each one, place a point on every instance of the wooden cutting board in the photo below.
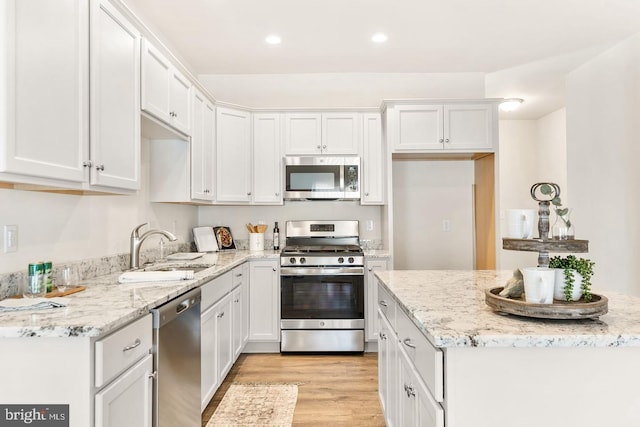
(57, 293)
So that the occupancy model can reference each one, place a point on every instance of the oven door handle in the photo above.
(321, 271)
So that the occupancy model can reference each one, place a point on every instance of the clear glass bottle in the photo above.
(276, 237)
(563, 227)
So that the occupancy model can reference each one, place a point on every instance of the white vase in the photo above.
(558, 290)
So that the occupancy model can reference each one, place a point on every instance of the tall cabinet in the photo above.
(233, 155)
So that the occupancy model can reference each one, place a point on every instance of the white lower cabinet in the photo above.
(126, 356)
(240, 301)
(410, 370)
(224, 328)
(127, 402)
(224, 336)
(264, 301)
(371, 293)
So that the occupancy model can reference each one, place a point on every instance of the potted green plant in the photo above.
(570, 270)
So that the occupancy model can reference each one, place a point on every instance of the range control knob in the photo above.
(350, 260)
(303, 260)
(292, 260)
(340, 260)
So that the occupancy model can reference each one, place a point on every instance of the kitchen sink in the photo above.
(180, 268)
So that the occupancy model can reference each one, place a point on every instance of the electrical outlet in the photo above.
(446, 225)
(10, 238)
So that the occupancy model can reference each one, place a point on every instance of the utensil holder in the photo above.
(256, 241)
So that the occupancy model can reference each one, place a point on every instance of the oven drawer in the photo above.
(322, 340)
(387, 305)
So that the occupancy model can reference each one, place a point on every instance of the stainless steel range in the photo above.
(322, 287)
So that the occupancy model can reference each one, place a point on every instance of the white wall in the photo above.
(530, 151)
(603, 147)
(237, 216)
(424, 194)
(339, 90)
(62, 228)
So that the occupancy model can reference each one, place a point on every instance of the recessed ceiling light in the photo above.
(511, 104)
(379, 38)
(273, 39)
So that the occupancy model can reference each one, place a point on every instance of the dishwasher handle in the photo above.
(177, 307)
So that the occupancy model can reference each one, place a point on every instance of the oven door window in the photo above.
(322, 297)
(313, 178)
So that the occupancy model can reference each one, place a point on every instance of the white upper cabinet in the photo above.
(74, 123)
(202, 144)
(373, 160)
(326, 133)
(115, 99)
(233, 155)
(303, 133)
(165, 91)
(44, 88)
(267, 159)
(466, 127)
(341, 133)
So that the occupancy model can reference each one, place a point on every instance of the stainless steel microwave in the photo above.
(322, 178)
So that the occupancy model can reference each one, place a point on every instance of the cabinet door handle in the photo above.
(277, 194)
(370, 268)
(275, 269)
(100, 168)
(383, 303)
(366, 194)
(441, 140)
(221, 315)
(236, 300)
(324, 147)
(239, 275)
(135, 344)
(87, 164)
(318, 147)
(382, 336)
(446, 140)
(408, 343)
(249, 193)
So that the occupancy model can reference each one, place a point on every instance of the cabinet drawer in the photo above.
(427, 359)
(238, 275)
(116, 352)
(215, 289)
(387, 306)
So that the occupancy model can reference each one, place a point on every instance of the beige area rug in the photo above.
(256, 405)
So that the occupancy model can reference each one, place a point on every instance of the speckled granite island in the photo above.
(459, 364)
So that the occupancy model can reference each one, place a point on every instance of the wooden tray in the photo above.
(558, 310)
(57, 293)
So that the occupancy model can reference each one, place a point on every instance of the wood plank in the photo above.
(485, 215)
(332, 389)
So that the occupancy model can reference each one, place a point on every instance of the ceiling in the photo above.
(524, 47)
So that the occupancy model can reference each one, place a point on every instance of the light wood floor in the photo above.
(335, 390)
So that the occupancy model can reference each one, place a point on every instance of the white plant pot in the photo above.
(558, 290)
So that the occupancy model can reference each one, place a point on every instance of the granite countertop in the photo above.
(106, 305)
(376, 253)
(449, 307)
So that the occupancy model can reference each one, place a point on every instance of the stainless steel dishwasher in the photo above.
(176, 336)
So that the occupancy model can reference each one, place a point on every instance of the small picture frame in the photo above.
(224, 238)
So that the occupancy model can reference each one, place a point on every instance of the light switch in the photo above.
(369, 225)
(10, 238)
(446, 225)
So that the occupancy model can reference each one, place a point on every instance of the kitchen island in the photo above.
(489, 369)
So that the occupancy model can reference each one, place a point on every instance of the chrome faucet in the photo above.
(136, 242)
